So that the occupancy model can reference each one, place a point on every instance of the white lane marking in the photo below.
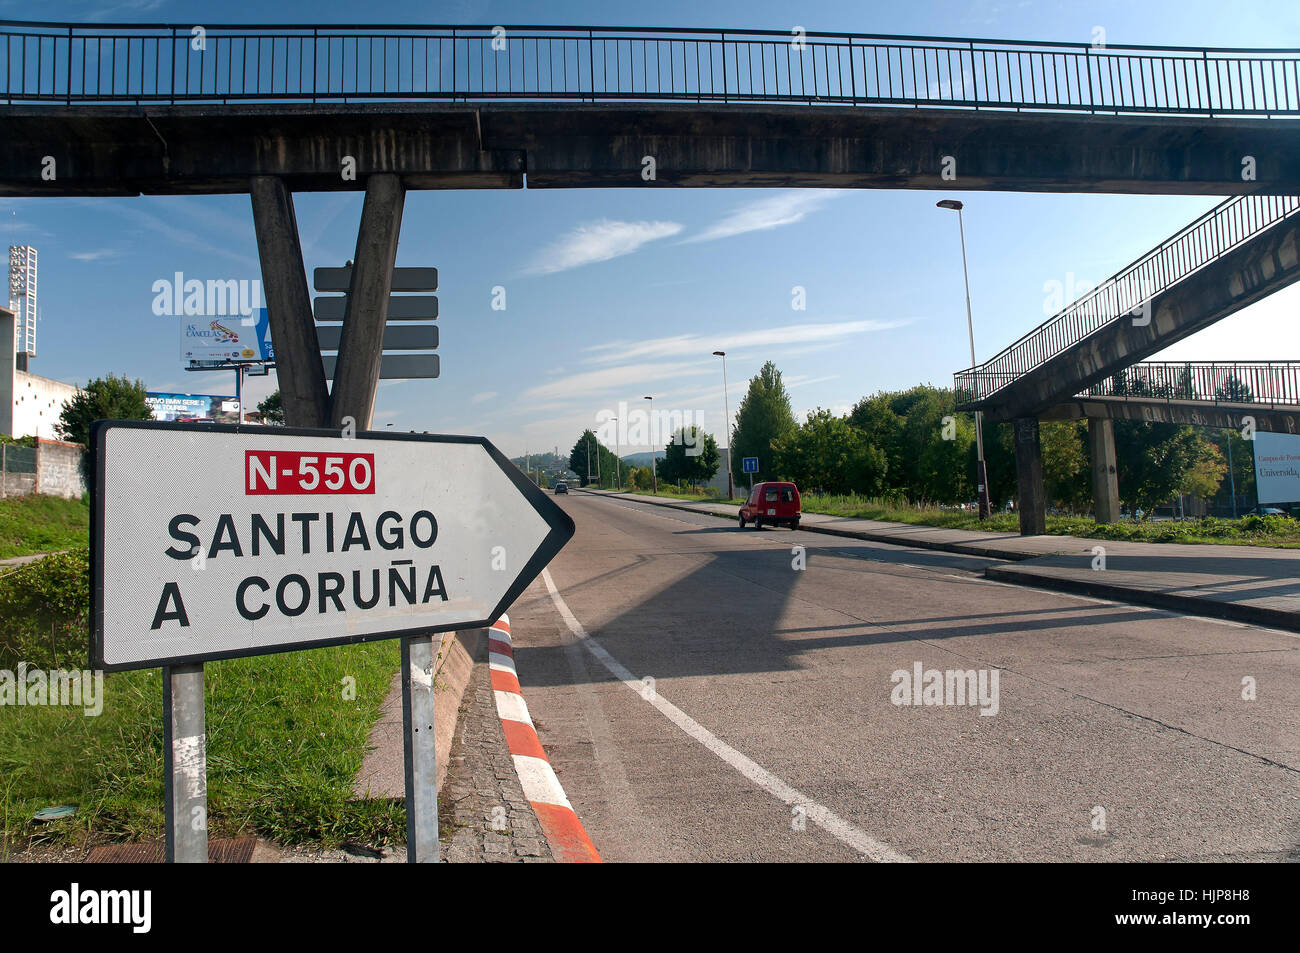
(828, 821)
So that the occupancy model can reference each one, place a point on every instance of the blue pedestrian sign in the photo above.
(749, 464)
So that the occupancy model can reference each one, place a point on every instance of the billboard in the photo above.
(226, 338)
(178, 406)
(1277, 467)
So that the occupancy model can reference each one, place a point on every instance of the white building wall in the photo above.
(30, 405)
(38, 404)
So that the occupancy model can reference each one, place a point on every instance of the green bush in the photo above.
(45, 610)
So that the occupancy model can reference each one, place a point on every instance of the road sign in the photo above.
(215, 541)
(404, 279)
(412, 337)
(400, 307)
(749, 464)
(394, 366)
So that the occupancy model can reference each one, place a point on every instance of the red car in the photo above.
(772, 504)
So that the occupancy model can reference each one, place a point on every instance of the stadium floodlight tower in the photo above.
(22, 299)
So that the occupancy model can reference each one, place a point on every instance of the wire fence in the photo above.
(141, 63)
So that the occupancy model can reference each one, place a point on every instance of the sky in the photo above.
(615, 294)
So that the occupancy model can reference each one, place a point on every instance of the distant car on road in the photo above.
(1269, 511)
(772, 503)
(561, 487)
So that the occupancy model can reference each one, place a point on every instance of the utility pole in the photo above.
(981, 472)
(726, 424)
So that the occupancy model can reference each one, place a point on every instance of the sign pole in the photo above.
(185, 765)
(419, 750)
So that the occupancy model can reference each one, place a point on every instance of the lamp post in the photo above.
(726, 424)
(981, 472)
(654, 471)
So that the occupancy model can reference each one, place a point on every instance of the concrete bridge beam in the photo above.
(1105, 472)
(1029, 477)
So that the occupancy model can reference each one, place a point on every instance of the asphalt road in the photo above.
(702, 699)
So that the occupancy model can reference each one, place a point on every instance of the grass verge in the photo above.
(284, 744)
(42, 524)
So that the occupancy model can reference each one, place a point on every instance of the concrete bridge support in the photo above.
(1105, 475)
(307, 399)
(298, 367)
(1029, 477)
(356, 374)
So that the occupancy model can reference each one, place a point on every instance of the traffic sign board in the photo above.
(215, 541)
(749, 464)
(400, 307)
(399, 337)
(404, 279)
(393, 366)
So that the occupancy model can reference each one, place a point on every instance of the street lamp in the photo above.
(981, 472)
(654, 471)
(726, 424)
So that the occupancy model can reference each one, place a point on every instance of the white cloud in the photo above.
(93, 255)
(598, 241)
(625, 378)
(683, 344)
(486, 395)
(805, 381)
(771, 212)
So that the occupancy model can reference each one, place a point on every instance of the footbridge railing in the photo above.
(176, 63)
(1125, 295)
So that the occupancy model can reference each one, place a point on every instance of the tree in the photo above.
(829, 455)
(1207, 473)
(271, 409)
(642, 478)
(764, 417)
(1067, 474)
(104, 398)
(1153, 460)
(691, 455)
(1234, 391)
(603, 462)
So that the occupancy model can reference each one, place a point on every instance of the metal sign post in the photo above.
(212, 541)
(185, 765)
(419, 750)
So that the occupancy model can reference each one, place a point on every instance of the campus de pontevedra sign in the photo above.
(213, 541)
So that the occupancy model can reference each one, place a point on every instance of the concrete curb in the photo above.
(1187, 605)
(383, 773)
(564, 832)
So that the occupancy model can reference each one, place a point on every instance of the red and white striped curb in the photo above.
(565, 833)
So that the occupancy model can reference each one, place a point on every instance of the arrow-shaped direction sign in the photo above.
(214, 541)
